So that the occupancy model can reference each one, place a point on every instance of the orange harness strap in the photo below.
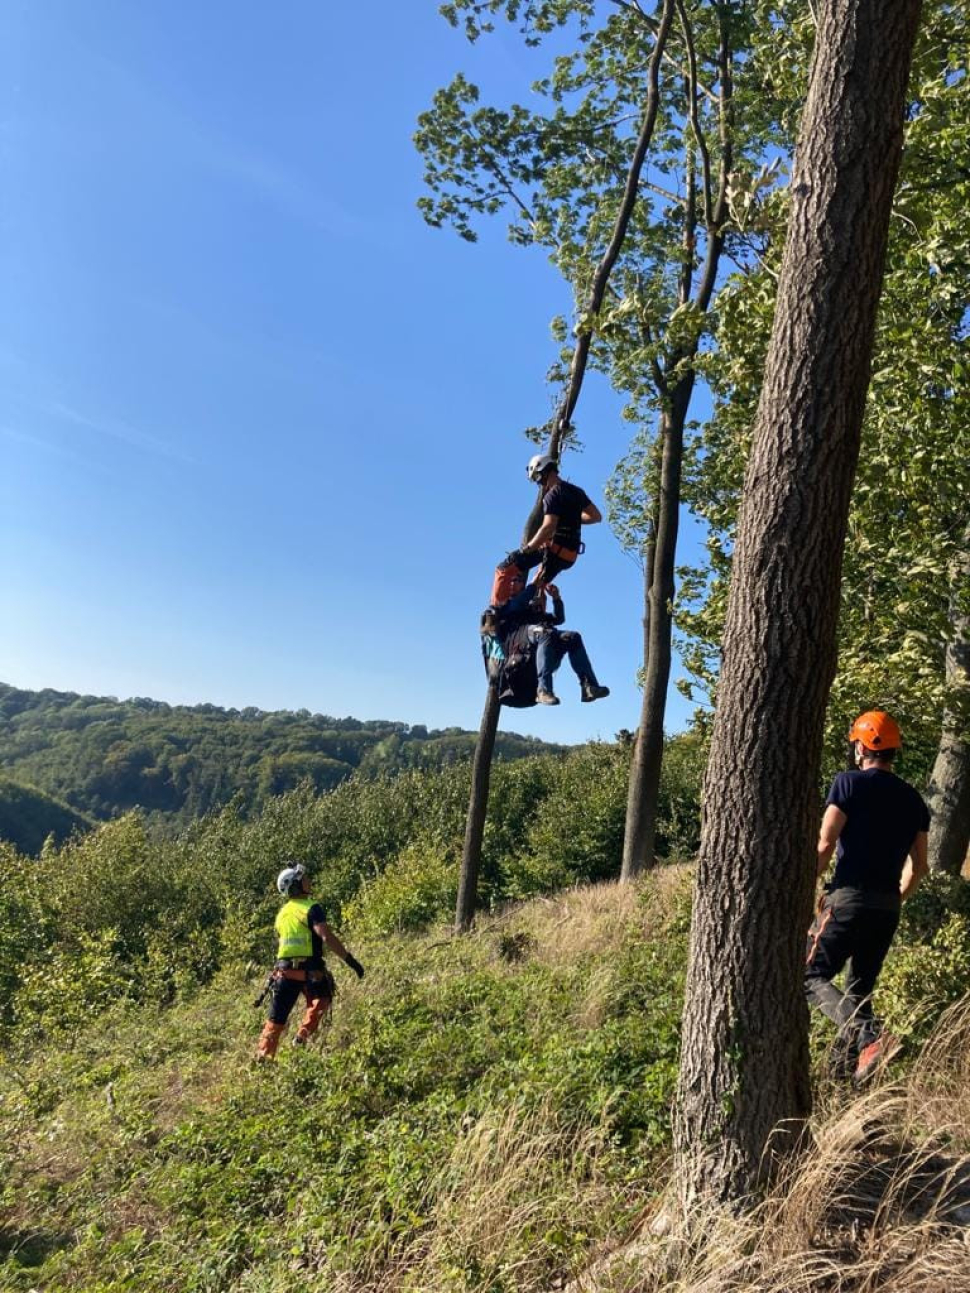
(826, 916)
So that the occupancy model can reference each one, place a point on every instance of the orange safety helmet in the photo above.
(876, 730)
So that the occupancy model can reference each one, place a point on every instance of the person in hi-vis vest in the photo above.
(302, 930)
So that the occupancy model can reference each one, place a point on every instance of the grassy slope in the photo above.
(489, 1114)
(480, 1115)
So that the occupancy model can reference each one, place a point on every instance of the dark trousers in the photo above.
(550, 564)
(852, 930)
(286, 993)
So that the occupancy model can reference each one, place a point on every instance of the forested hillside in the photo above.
(28, 817)
(103, 756)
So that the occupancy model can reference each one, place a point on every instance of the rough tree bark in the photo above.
(949, 790)
(481, 768)
(744, 1091)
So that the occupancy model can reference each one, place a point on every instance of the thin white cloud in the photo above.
(118, 431)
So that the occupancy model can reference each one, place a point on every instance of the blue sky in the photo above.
(260, 426)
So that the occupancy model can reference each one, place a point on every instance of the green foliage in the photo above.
(125, 913)
(907, 524)
(928, 967)
(176, 763)
(28, 817)
(468, 1121)
(419, 886)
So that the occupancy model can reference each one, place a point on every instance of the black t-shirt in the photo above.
(316, 916)
(884, 814)
(567, 502)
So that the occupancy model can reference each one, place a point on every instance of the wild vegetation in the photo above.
(102, 756)
(485, 1113)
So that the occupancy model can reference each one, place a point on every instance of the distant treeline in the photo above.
(102, 756)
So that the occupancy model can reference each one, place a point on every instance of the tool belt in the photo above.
(565, 554)
(300, 969)
(304, 970)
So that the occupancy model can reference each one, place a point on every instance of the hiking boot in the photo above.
(546, 698)
(593, 691)
(875, 1056)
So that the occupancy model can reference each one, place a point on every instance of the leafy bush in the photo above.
(928, 967)
(417, 888)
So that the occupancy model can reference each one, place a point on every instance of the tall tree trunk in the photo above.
(633, 831)
(949, 791)
(744, 1090)
(477, 806)
(644, 790)
(643, 794)
(481, 768)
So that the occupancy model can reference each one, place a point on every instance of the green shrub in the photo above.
(420, 886)
(928, 967)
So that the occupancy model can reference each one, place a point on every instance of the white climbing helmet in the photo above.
(539, 464)
(290, 879)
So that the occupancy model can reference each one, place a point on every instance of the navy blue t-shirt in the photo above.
(884, 814)
(566, 501)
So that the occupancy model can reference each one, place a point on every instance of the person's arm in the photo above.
(335, 946)
(543, 535)
(833, 820)
(590, 515)
(558, 610)
(916, 866)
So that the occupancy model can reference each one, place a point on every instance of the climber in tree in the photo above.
(566, 509)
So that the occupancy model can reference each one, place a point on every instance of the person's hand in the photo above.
(553, 591)
(353, 964)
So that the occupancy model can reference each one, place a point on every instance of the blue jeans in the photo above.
(552, 646)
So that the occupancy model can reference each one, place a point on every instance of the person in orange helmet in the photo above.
(877, 825)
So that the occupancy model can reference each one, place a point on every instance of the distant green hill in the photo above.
(103, 756)
(28, 817)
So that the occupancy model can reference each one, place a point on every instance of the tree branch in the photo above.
(694, 118)
(715, 240)
(601, 278)
(652, 25)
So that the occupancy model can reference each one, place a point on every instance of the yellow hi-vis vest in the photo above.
(293, 927)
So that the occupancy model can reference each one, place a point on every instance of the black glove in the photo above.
(353, 964)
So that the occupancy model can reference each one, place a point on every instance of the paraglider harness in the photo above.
(510, 661)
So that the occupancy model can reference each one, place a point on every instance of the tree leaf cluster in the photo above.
(912, 496)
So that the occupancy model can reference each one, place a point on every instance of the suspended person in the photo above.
(302, 929)
(565, 510)
(877, 823)
(524, 647)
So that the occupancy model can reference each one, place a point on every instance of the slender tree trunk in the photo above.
(477, 807)
(481, 768)
(744, 1091)
(633, 831)
(644, 790)
(643, 795)
(949, 792)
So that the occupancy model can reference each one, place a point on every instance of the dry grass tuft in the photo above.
(881, 1202)
(495, 1209)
